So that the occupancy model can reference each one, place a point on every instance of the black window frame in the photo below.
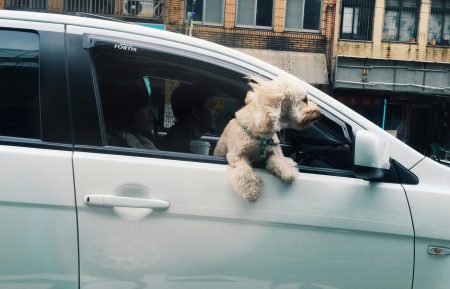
(53, 103)
(368, 10)
(401, 10)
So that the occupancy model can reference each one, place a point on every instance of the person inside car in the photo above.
(195, 116)
(129, 115)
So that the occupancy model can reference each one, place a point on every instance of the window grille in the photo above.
(357, 19)
(26, 4)
(400, 20)
(439, 25)
(150, 9)
(106, 7)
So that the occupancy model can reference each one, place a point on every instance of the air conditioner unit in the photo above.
(139, 8)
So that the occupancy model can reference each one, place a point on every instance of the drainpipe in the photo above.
(192, 16)
(331, 8)
(384, 113)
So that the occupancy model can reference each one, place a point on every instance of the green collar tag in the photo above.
(263, 143)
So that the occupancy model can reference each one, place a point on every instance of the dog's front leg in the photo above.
(283, 167)
(243, 179)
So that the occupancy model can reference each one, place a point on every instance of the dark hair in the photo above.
(121, 100)
(186, 96)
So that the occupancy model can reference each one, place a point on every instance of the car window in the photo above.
(326, 144)
(19, 84)
(160, 102)
(150, 100)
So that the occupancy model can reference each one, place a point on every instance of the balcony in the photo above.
(130, 10)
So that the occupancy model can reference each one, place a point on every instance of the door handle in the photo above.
(117, 201)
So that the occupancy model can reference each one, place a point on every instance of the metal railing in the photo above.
(106, 7)
(34, 5)
(140, 9)
(149, 9)
(357, 19)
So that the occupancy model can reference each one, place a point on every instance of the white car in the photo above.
(80, 211)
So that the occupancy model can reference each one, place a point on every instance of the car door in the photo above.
(160, 219)
(38, 239)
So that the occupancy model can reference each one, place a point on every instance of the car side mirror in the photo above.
(371, 156)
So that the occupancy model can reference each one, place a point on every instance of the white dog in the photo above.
(251, 135)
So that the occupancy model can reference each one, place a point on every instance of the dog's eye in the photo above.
(305, 100)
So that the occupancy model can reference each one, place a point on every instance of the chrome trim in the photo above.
(438, 250)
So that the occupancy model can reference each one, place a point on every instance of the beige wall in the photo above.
(376, 48)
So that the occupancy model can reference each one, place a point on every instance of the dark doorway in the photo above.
(420, 129)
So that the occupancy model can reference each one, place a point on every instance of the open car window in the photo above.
(326, 144)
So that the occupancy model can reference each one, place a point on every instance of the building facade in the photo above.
(291, 34)
(391, 63)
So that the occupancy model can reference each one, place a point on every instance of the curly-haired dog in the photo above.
(251, 135)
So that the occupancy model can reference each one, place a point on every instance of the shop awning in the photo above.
(310, 67)
(392, 75)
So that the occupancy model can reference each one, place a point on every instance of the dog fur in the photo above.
(270, 106)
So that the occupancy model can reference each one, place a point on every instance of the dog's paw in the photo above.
(250, 187)
(289, 174)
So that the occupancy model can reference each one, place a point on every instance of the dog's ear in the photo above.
(288, 87)
(269, 94)
(254, 82)
(264, 91)
(249, 97)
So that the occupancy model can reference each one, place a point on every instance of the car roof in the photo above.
(131, 28)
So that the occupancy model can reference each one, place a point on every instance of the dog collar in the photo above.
(263, 142)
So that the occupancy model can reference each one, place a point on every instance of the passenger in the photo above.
(192, 107)
(129, 115)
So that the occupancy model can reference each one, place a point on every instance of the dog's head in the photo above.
(297, 111)
(261, 114)
(276, 104)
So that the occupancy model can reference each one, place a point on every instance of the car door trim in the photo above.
(123, 151)
(33, 143)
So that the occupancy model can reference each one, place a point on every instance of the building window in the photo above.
(357, 19)
(400, 20)
(439, 26)
(303, 14)
(206, 11)
(255, 13)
